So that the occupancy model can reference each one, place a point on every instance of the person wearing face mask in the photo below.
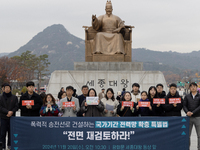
(8, 108)
(173, 109)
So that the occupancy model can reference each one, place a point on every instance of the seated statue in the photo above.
(109, 39)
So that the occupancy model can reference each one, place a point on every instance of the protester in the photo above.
(2, 89)
(8, 108)
(156, 108)
(110, 104)
(119, 97)
(69, 111)
(63, 95)
(42, 95)
(101, 94)
(175, 108)
(135, 92)
(49, 107)
(125, 111)
(161, 93)
(92, 110)
(34, 109)
(74, 93)
(191, 106)
(82, 97)
(123, 92)
(59, 93)
(144, 111)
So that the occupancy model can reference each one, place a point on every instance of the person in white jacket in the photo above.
(110, 104)
(135, 94)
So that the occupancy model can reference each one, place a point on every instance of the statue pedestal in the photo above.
(109, 66)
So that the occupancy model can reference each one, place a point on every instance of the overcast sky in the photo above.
(160, 25)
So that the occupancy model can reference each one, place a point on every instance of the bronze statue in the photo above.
(109, 40)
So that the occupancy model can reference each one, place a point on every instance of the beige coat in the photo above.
(114, 103)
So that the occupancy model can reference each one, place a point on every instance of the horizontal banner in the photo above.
(100, 133)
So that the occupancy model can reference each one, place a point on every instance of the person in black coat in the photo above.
(29, 110)
(173, 109)
(8, 108)
(60, 93)
(156, 108)
(160, 92)
(126, 111)
(144, 111)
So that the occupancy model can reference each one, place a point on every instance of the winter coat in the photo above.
(193, 105)
(145, 111)
(52, 111)
(114, 103)
(68, 111)
(35, 111)
(92, 110)
(169, 109)
(8, 103)
(126, 112)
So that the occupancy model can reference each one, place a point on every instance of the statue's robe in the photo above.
(107, 42)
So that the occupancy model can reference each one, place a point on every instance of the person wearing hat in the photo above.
(191, 106)
(135, 94)
(101, 94)
(8, 108)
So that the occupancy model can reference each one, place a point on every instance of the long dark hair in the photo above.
(93, 90)
(149, 95)
(45, 99)
(123, 99)
(111, 90)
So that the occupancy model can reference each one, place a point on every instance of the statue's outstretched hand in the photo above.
(94, 17)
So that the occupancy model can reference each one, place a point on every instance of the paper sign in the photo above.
(174, 100)
(69, 104)
(27, 102)
(127, 104)
(158, 101)
(109, 107)
(144, 104)
(92, 100)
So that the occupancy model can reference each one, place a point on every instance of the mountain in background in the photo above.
(64, 49)
(3, 54)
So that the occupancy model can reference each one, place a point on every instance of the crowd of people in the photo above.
(108, 105)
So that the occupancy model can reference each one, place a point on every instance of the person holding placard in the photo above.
(30, 102)
(127, 108)
(92, 106)
(173, 102)
(144, 107)
(110, 104)
(49, 108)
(69, 105)
(156, 102)
(191, 106)
(8, 108)
(161, 93)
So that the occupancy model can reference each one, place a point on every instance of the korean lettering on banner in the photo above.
(90, 133)
(174, 100)
(90, 83)
(101, 82)
(127, 104)
(158, 101)
(144, 104)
